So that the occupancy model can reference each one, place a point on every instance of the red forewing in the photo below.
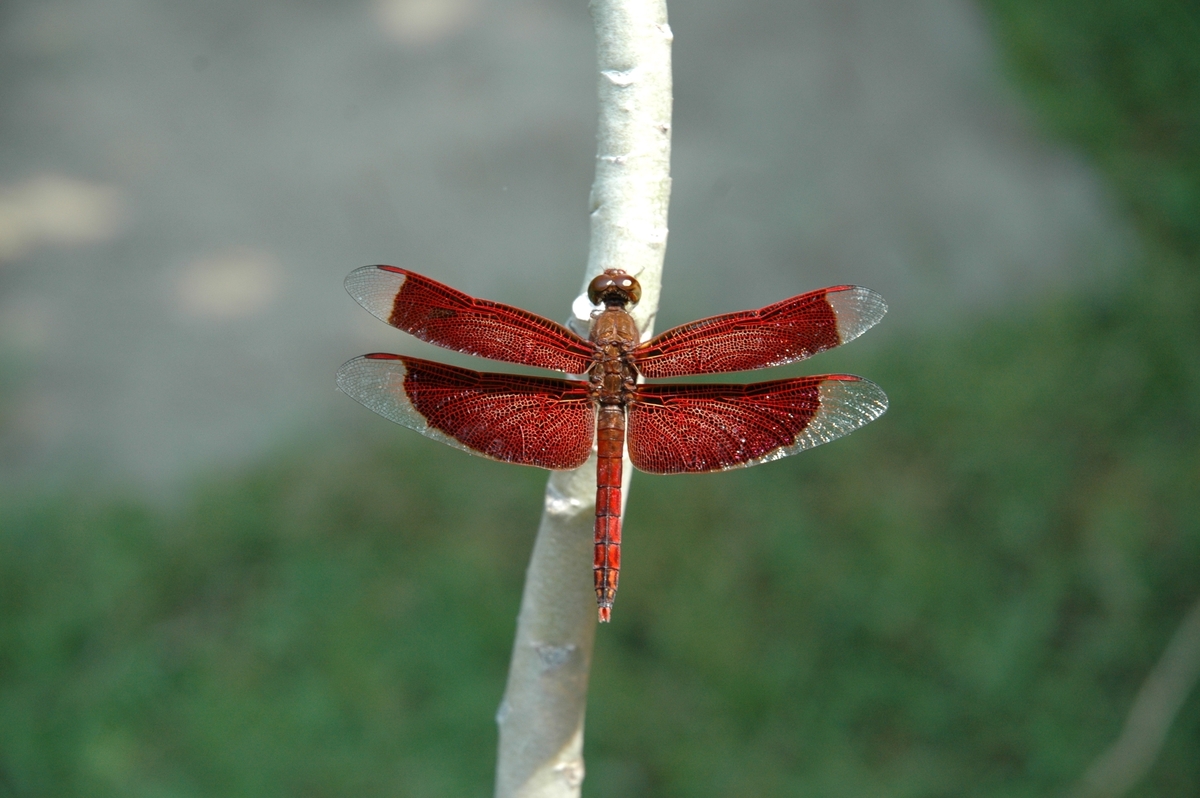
(693, 428)
(527, 420)
(443, 316)
(785, 332)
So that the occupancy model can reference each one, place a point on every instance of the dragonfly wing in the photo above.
(449, 318)
(534, 421)
(695, 428)
(785, 332)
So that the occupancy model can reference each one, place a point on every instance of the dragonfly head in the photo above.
(614, 287)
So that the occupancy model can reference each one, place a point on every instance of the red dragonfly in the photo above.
(554, 423)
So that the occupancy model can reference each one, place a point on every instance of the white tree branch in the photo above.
(541, 716)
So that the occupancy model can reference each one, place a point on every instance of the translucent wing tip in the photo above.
(375, 288)
(847, 403)
(369, 380)
(858, 309)
(376, 381)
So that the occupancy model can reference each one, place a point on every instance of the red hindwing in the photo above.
(443, 316)
(785, 332)
(534, 421)
(694, 428)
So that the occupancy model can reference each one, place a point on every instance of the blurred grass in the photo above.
(961, 599)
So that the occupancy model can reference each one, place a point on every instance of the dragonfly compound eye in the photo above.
(631, 287)
(614, 285)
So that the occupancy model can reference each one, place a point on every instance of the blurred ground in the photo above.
(183, 187)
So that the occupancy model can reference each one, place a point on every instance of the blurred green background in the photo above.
(961, 599)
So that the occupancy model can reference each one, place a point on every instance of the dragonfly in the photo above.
(557, 423)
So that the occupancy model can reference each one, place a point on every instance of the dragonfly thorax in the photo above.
(615, 336)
